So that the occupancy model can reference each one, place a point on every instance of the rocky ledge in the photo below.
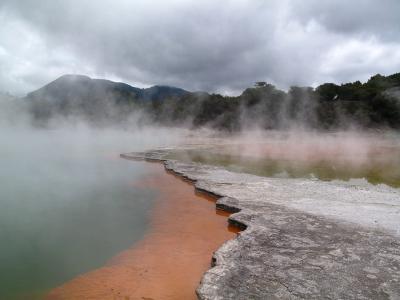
(302, 239)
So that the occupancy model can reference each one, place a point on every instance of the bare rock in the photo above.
(302, 238)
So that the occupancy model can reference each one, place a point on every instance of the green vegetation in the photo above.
(374, 104)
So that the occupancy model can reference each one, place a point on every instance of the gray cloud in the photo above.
(208, 45)
(364, 18)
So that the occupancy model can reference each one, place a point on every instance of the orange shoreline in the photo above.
(170, 260)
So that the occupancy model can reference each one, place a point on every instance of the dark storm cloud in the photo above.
(198, 45)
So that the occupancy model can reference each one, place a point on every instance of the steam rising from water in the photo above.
(59, 172)
(68, 203)
(348, 147)
(343, 154)
(296, 153)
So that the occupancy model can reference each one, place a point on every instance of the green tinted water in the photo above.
(376, 171)
(67, 205)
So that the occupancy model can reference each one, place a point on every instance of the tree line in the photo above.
(373, 104)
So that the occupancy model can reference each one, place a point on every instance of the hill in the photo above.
(95, 99)
(373, 104)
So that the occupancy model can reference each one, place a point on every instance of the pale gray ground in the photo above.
(304, 239)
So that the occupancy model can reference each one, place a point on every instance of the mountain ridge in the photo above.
(96, 100)
(156, 92)
(373, 104)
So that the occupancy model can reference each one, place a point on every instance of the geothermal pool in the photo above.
(325, 157)
(68, 203)
(74, 215)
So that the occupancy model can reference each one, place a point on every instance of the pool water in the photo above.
(377, 169)
(68, 203)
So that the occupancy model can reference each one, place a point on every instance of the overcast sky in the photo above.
(215, 46)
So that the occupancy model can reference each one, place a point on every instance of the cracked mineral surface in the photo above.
(302, 238)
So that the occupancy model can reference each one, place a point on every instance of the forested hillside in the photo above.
(373, 104)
